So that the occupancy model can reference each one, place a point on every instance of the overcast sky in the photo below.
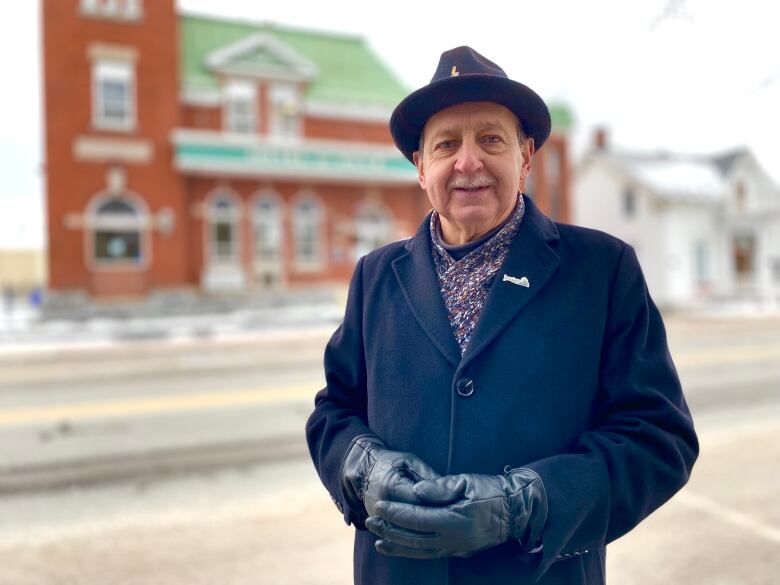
(682, 75)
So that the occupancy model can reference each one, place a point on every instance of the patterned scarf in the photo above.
(464, 283)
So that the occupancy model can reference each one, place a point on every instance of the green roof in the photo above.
(562, 118)
(348, 71)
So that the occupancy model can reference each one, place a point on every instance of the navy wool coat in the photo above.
(571, 377)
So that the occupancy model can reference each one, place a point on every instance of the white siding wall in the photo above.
(598, 204)
(597, 192)
(687, 226)
(666, 234)
(723, 262)
(762, 214)
(768, 260)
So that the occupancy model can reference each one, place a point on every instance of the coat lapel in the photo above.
(530, 260)
(416, 275)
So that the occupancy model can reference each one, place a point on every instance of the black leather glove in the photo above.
(459, 515)
(371, 472)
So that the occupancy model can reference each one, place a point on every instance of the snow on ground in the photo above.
(23, 329)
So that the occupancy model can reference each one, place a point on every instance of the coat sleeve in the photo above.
(642, 445)
(340, 407)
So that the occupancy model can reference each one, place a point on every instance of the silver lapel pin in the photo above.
(518, 281)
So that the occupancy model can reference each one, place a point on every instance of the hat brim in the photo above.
(410, 116)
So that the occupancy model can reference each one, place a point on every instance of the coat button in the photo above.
(465, 386)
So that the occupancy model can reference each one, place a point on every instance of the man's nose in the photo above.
(469, 158)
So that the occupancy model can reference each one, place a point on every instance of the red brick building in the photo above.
(200, 154)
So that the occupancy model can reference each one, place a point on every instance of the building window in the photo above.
(285, 110)
(224, 215)
(740, 198)
(744, 250)
(372, 229)
(117, 233)
(552, 166)
(117, 9)
(629, 202)
(702, 262)
(267, 231)
(774, 266)
(307, 233)
(240, 107)
(113, 91)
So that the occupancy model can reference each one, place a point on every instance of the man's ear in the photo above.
(419, 164)
(527, 151)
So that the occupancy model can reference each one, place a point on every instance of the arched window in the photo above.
(372, 229)
(223, 216)
(117, 227)
(307, 233)
(267, 230)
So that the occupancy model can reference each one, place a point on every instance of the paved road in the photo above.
(137, 410)
(273, 523)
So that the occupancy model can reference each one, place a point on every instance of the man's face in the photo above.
(472, 166)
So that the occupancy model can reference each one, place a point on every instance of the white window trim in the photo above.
(144, 224)
(209, 256)
(317, 264)
(378, 208)
(98, 121)
(267, 195)
(702, 262)
(110, 9)
(233, 91)
(297, 67)
(276, 93)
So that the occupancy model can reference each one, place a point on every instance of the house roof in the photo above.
(348, 72)
(679, 178)
(672, 176)
(725, 161)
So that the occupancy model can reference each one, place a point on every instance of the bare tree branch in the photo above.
(674, 9)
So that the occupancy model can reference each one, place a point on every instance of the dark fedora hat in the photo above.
(463, 75)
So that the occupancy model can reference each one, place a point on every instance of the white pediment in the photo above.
(262, 56)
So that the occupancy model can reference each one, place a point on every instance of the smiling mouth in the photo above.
(472, 189)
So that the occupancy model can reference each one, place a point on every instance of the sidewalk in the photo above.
(27, 328)
(26, 331)
(275, 524)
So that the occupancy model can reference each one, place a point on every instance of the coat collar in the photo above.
(530, 256)
(417, 277)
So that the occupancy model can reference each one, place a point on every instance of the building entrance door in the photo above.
(743, 250)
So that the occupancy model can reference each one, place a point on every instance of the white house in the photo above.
(704, 227)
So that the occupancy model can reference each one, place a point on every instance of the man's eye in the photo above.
(445, 144)
(492, 139)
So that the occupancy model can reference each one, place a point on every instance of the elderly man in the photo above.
(500, 400)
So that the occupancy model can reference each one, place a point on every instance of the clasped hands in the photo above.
(420, 514)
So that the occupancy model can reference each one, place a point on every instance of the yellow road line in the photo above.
(746, 354)
(204, 401)
(153, 405)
